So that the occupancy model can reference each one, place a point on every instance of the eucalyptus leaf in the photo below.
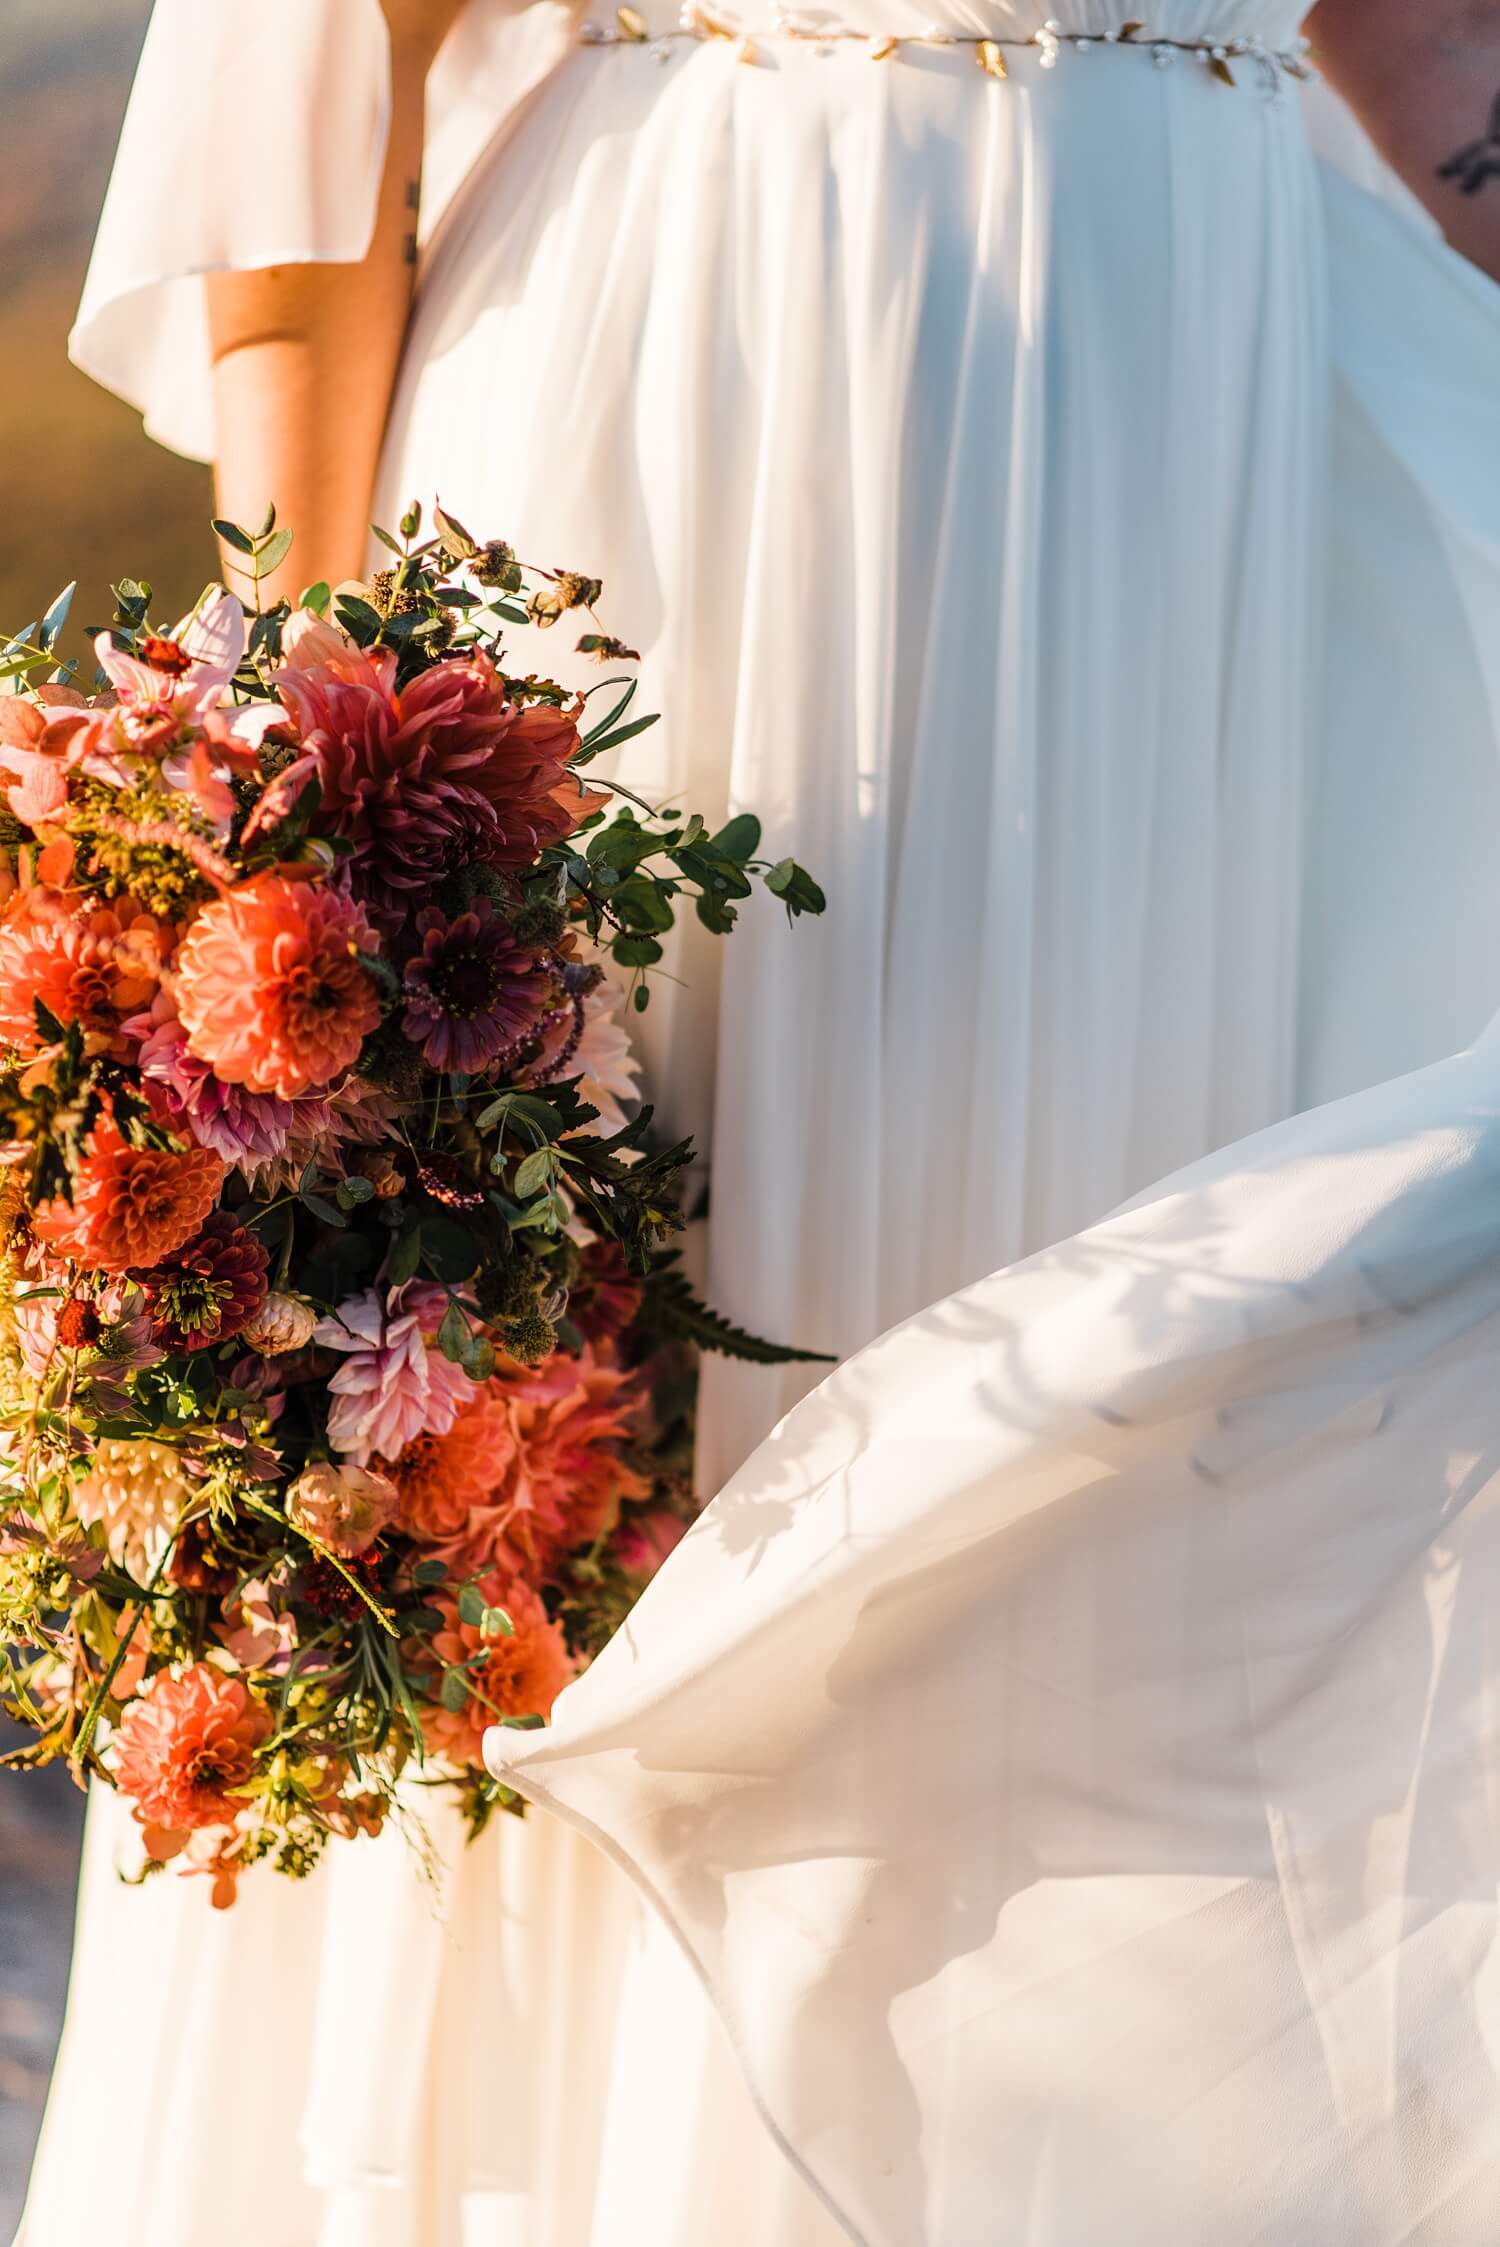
(324, 1211)
(453, 1334)
(636, 951)
(449, 1249)
(739, 839)
(273, 552)
(405, 1256)
(456, 540)
(535, 1172)
(795, 887)
(50, 628)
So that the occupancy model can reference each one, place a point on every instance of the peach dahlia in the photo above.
(270, 989)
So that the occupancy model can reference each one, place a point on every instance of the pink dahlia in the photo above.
(246, 1128)
(185, 1750)
(208, 1289)
(474, 989)
(269, 988)
(444, 772)
(394, 1384)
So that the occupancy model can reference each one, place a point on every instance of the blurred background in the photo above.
(86, 497)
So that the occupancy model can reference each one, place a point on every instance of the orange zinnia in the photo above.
(131, 1205)
(270, 989)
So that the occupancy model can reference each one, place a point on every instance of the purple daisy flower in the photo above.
(474, 990)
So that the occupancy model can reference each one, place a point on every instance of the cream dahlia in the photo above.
(344, 1507)
(135, 1491)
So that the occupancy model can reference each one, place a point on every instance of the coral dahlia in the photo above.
(557, 1477)
(521, 1672)
(91, 968)
(269, 988)
(184, 1751)
(443, 1478)
(131, 1205)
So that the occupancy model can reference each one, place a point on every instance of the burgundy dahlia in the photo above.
(209, 1288)
(606, 1295)
(474, 990)
(421, 780)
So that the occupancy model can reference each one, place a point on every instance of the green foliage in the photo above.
(671, 1312)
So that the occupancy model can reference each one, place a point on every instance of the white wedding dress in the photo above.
(1067, 508)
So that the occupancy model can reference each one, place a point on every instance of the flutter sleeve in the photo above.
(255, 136)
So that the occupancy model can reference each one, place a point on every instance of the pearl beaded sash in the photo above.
(1230, 61)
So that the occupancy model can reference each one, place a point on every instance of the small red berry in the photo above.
(164, 655)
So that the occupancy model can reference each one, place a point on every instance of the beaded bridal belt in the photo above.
(1269, 67)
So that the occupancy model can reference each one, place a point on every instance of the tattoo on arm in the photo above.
(1470, 168)
(413, 203)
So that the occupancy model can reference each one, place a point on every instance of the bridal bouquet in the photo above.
(341, 1381)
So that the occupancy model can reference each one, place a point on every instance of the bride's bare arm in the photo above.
(1424, 80)
(305, 356)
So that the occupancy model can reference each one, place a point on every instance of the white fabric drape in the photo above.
(1067, 1749)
